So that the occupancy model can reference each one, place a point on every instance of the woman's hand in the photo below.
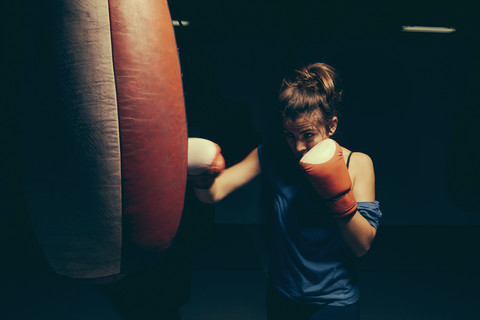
(205, 162)
(326, 170)
(206, 170)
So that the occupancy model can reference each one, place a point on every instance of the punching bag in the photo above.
(103, 134)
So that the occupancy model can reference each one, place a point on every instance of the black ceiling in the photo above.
(324, 18)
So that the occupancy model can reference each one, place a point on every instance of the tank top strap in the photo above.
(348, 159)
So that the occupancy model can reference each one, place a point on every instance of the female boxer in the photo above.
(324, 212)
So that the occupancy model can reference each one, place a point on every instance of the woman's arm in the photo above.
(231, 179)
(357, 231)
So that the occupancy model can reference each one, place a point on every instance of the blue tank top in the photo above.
(310, 262)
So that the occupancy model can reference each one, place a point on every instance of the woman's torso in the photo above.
(310, 261)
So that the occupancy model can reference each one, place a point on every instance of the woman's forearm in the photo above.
(206, 195)
(358, 233)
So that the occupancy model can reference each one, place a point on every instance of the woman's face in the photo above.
(304, 133)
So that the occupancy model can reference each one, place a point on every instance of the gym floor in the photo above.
(410, 273)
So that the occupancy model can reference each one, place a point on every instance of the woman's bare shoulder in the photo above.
(361, 164)
(357, 158)
(363, 176)
(361, 159)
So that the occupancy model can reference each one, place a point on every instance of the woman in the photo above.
(324, 212)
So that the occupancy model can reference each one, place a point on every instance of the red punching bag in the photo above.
(103, 136)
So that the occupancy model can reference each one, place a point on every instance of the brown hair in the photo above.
(308, 90)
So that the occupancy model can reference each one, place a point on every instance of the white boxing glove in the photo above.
(204, 163)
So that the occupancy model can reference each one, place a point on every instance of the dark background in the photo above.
(411, 103)
(410, 98)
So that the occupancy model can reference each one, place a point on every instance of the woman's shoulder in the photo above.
(362, 174)
(361, 159)
(358, 161)
(357, 154)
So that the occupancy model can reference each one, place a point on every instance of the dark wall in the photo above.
(410, 98)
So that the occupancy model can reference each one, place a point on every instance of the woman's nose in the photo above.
(300, 146)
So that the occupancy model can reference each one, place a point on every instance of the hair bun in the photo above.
(308, 80)
(310, 89)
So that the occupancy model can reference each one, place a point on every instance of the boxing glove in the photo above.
(326, 170)
(204, 162)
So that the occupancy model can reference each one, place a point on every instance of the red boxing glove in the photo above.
(205, 162)
(329, 176)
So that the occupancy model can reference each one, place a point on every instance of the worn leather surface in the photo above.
(152, 124)
(103, 141)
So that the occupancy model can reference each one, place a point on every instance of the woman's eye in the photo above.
(308, 135)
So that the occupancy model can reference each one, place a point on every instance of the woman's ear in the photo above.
(332, 126)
